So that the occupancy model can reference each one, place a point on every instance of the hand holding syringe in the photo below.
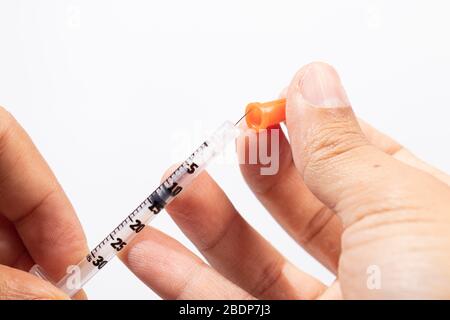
(319, 195)
(258, 115)
(146, 211)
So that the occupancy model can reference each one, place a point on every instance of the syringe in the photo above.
(77, 276)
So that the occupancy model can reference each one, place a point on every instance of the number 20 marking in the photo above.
(137, 226)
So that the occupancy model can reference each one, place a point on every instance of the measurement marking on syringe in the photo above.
(135, 222)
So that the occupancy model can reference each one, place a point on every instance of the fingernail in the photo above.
(321, 87)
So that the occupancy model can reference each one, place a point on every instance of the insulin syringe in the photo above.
(77, 276)
(258, 116)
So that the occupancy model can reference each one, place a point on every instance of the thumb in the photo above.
(19, 285)
(336, 160)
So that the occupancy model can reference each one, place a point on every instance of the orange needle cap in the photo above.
(263, 115)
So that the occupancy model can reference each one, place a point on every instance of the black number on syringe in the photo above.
(192, 168)
(99, 262)
(118, 244)
(174, 189)
(137, 226)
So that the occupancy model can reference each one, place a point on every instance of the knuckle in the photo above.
(169, 171)
(318, 222)
(6, 119)
(271, 273)
(330, 141)
(7, 123)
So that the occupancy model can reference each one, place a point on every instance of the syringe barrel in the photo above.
(223, 135)
(197, 162)
(78, 275)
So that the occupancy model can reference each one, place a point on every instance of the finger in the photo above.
(390, 146)
(234, 248)
(284, 194)
(377, 197)
(407, 157)
(14, 254)
(32, 199)
(12, 251)
(378, 139)
(174, 272)
(19, 285)
(332, 293)
(337, 162)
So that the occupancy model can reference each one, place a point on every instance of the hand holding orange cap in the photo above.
(263, 115)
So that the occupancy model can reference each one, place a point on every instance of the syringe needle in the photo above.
(243, 117)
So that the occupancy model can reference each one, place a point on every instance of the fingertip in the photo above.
(131, 251)
(283, 93)
(169, 171)
(80, 295)
(160, 261)
(318, 107)
(184, 198)
(299, 75)
(146, 251)
(318, 85)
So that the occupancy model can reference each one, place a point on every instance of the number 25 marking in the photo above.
(119, 244)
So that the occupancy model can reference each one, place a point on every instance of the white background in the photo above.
(105, 88)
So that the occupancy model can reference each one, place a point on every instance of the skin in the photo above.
(37, 222)
(352, 197)
(349, 195)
